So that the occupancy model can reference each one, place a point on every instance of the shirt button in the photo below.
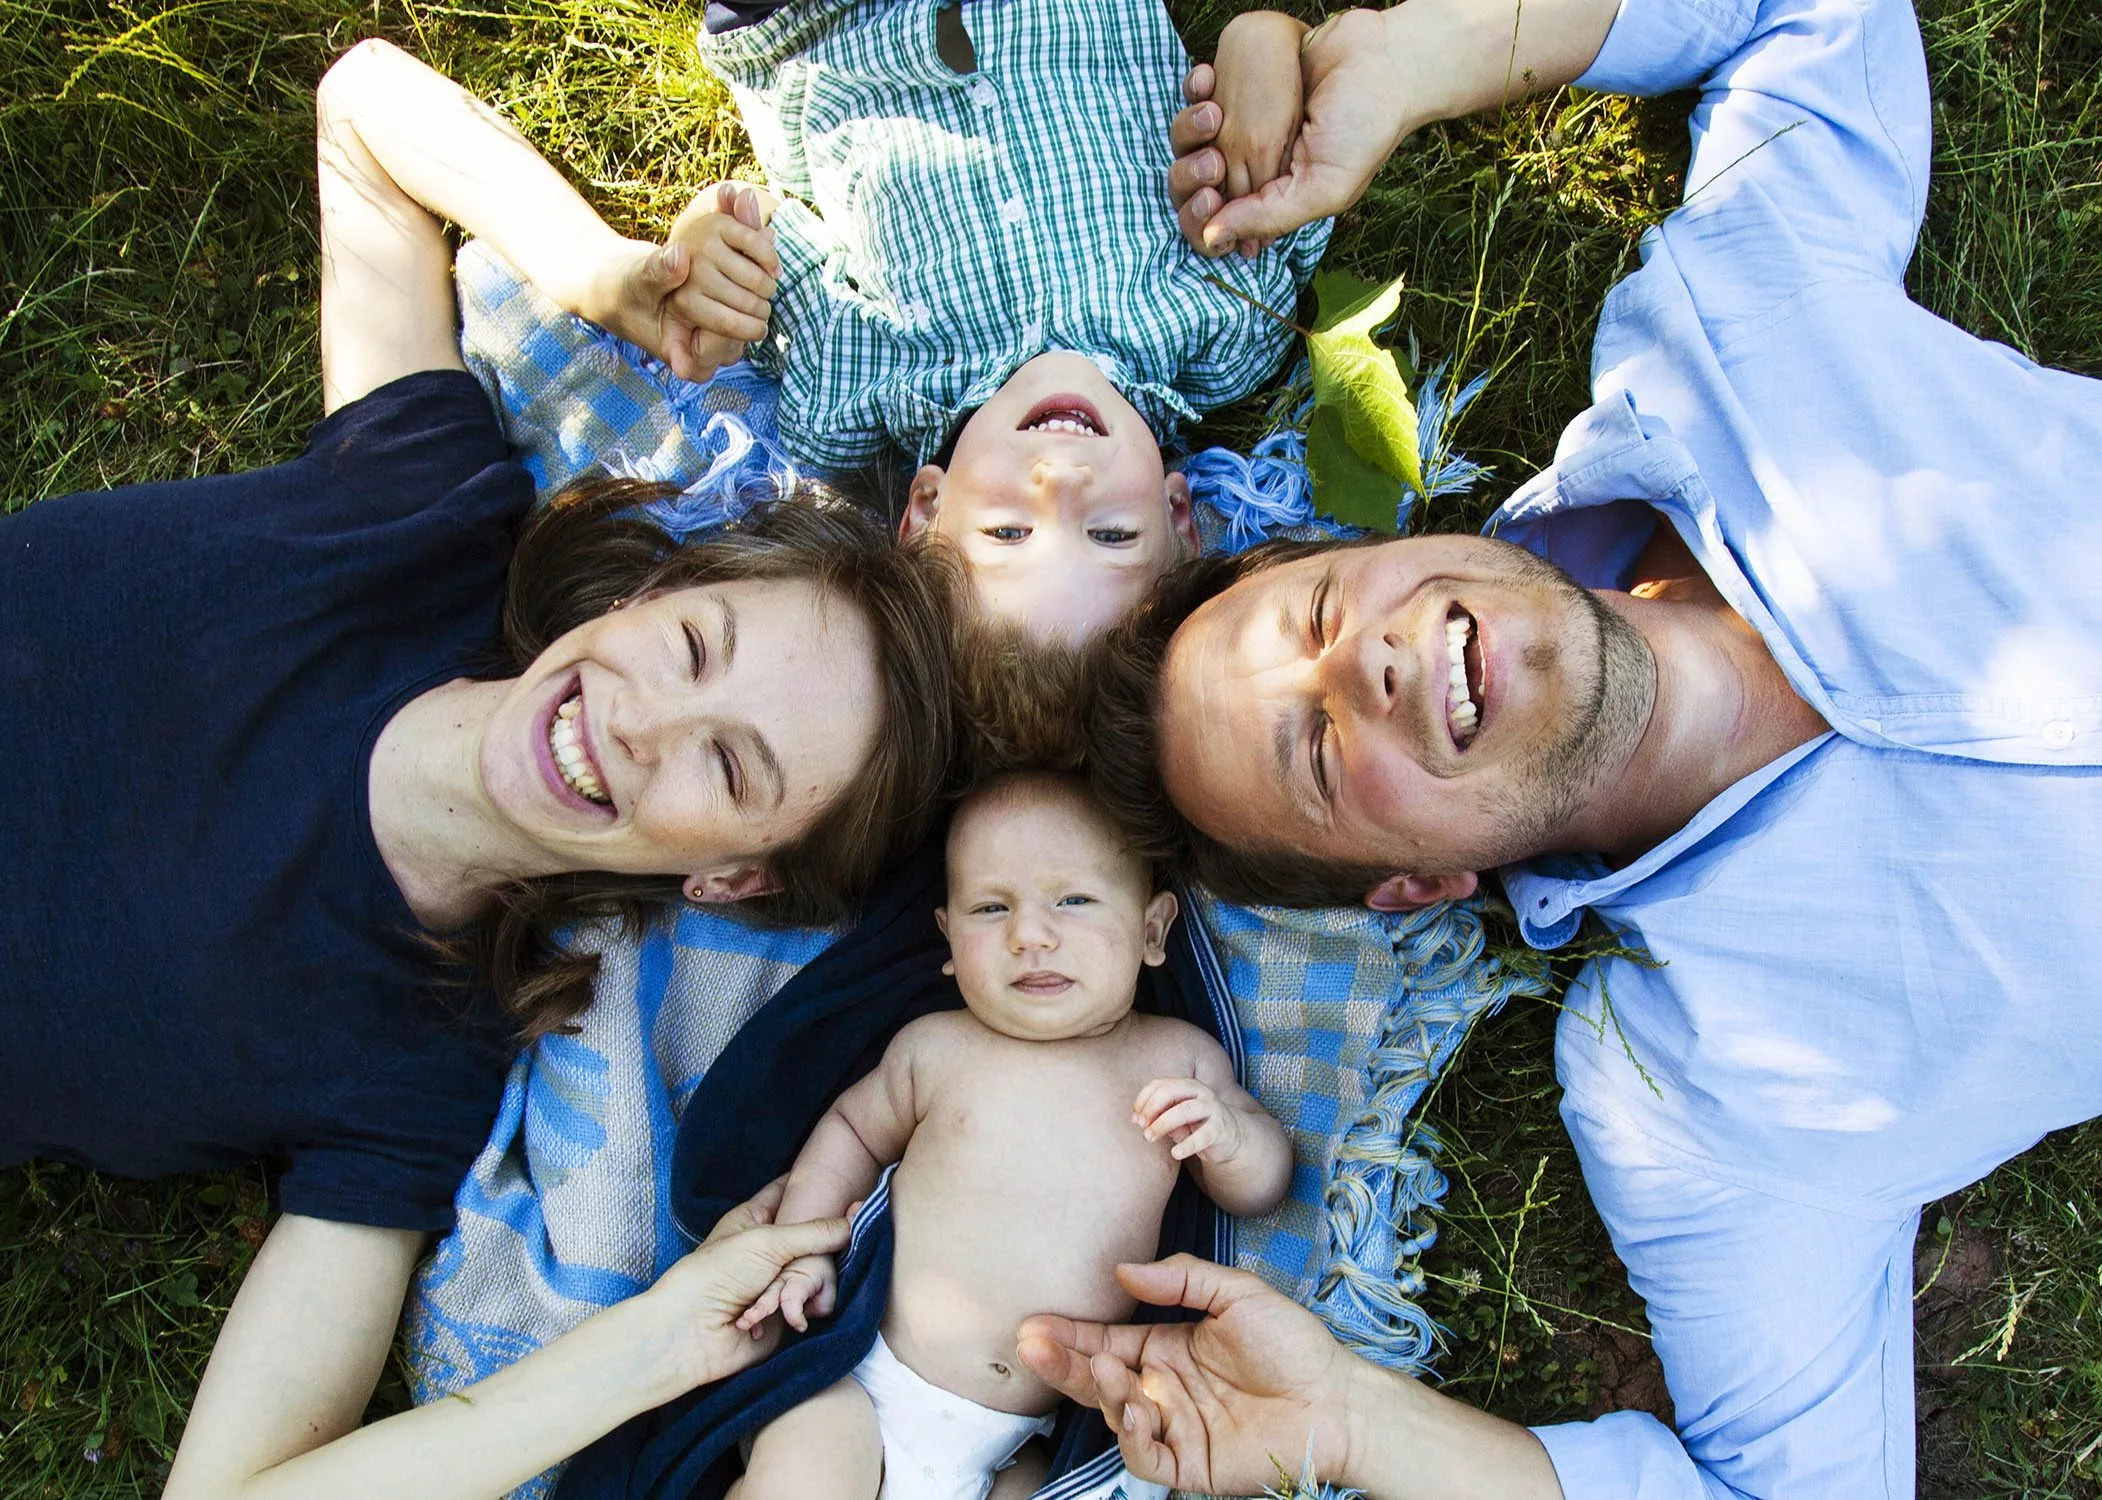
(915, 314)
(2058, 734)
(1032, 333)
(1873, 726)
(983, 94)
(1014, 212)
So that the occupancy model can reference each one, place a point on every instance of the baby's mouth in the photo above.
(1043, 982)
(1463, 690)
(1065, 414)
(577, 772)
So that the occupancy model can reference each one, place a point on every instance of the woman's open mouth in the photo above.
(1463, 690)
(1067, 414)
(573, 762)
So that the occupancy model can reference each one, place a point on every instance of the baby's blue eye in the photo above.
(989, 909)
(1005, 533)
(1076, 900)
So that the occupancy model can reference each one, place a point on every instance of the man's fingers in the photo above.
(1055, 1362)
(1195, 213)
(1187, 1281)
(1198, 83)
(1133, 1417)
(1125, 1340)
(1280, 207)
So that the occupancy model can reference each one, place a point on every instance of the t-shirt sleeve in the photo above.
(431, 437)
(402, 1140)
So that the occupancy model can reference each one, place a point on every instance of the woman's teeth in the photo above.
(569, 753)
(1461, 710)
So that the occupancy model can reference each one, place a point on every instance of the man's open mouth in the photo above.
(1463, 690)
(578, 774)
(1065, 414)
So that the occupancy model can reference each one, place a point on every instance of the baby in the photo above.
(974, 267)
(1037, 1134)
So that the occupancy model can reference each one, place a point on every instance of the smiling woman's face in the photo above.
(687, 734)
(1430, 706)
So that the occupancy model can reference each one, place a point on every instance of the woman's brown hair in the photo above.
(590, 548)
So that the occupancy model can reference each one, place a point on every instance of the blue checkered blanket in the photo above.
(1345, 1016)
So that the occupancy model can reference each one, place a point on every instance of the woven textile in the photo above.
(945, 228)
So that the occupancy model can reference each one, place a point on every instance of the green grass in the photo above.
(156, 319)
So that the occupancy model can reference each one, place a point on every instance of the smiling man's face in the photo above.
(1431, 706)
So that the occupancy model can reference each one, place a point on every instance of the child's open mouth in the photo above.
(1066, 414)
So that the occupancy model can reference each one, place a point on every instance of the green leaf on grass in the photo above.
(1361, 441)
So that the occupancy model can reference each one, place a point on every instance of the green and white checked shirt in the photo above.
(953, 226)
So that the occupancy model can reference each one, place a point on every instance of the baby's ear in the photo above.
(1160, 916)
(923, 502)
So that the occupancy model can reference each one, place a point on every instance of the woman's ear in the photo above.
(1160, 916)
(720, 887)
(1181, 519)
(1412, 892)
(923, 502)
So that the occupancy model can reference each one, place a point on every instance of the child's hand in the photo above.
(1257, 86)
(804, 1290)
(1190, 1115)
(728, 293)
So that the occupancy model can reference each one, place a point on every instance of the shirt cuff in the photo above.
(1624, 1455)
(1656, 46)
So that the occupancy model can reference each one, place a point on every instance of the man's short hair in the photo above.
(1124, 748)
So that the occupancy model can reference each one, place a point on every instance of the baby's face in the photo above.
(1057, 501)
(1048, 918)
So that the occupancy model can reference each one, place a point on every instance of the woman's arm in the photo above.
(309, 1331)
(403, 148)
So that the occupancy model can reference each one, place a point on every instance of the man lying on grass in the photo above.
(1793, 677)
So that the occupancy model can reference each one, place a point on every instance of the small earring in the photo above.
(617, 603)
(695, 894)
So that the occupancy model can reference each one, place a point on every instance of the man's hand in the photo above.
(801, 1292)
(1353, 120)
(1256, 84)
(699, 1300)
(1192, 1117)
(1216, 1406)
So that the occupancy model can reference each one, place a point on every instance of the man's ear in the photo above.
(1160, 916)
(1412, 892)
(727, 883)
(923, 502)
(1181, 519)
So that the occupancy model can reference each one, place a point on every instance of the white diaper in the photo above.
(936, 1444)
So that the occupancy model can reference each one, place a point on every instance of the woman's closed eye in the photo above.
(696, 649)
(732, 772)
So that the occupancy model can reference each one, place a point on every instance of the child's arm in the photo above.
(864, 1131)
(1257, 86)
(1239, 1155)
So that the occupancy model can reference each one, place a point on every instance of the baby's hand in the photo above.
(806, 1289)
(1192, 1117)
(1257, 86)
(728, 294)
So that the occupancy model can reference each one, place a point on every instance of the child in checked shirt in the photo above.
(1037, 1132)
(968, 262)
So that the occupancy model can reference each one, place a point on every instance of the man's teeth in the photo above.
(569, 753)
(1460, 708)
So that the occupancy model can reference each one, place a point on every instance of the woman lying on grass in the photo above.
(279, 796)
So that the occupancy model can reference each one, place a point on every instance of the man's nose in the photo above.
(1366, 670)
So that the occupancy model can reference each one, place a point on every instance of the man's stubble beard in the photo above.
(1548, 789)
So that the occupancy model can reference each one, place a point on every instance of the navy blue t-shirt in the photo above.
(202, 957)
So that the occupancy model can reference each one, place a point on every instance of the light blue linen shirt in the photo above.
(1879, 951)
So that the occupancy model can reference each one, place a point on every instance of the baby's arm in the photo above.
(1259, 93)
(864, 1131)
(1238, 1153)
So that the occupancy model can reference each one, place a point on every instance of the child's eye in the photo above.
(1076, 900)
(1005, 533)
(1112, 536)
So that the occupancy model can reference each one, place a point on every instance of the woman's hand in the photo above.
(698, 1302)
